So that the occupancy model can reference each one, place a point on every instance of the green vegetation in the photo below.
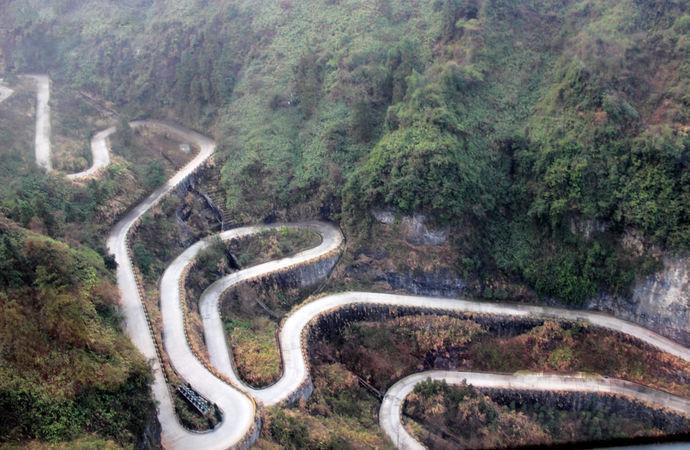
(339, 414)
(66, 370)
(532, 129)
(472, 419)
(476, 420)
(255, 349)
(272, 244)
(384, 351)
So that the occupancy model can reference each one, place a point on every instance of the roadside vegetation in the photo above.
(79, 214)
(339, 414)
(66, 368)
(252, 312)
(414, 343)
(532, 129)
(451, 416)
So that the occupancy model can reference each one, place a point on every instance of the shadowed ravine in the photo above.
(235, 399)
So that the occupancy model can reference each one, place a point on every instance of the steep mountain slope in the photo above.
(537, 130)
(65, 367)
(549, 138)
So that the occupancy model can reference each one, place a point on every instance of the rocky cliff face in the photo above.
(150, 439)
(660, 302)
(442, 283)
(414, 228)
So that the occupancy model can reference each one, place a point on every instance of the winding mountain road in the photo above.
(99, 143)
(237, 408)
(236, 400)
(391, 408)
(293, 346)
(214, 334)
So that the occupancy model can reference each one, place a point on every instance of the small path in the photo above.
(100, 150)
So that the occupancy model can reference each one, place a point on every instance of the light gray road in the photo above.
(295, 371)
(214, 335)
(391, 408)
(238, 409)
(5, 93)
(42, 140)
(100, 150)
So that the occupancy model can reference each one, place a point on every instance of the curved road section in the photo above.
(293, 330)
(237, 408)
(214, 335)
(236, 399)
(99, 143)
(295, 369)
(391, 408)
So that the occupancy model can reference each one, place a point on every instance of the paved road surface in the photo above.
(238, 409)
(100, 152)
(214, 334)
(295, 367)
(99, 143)
(42, 139)
(5, 93)
(391, 408)
(234, 401)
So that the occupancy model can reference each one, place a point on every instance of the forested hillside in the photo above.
(549, 138)
(548, 134)
(66, 370)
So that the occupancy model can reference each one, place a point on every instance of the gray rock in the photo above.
(385, 217)
(442, 283)
(416, 231)
(660, 302)
(414, 228)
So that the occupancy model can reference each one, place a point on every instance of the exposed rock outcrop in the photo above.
(414, 228)
(660, 302)
(151, 437)
(442, 283)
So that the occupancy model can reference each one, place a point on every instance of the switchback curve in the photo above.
(100, 150)
(238, 408)
(292, 336)
(390, 413)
